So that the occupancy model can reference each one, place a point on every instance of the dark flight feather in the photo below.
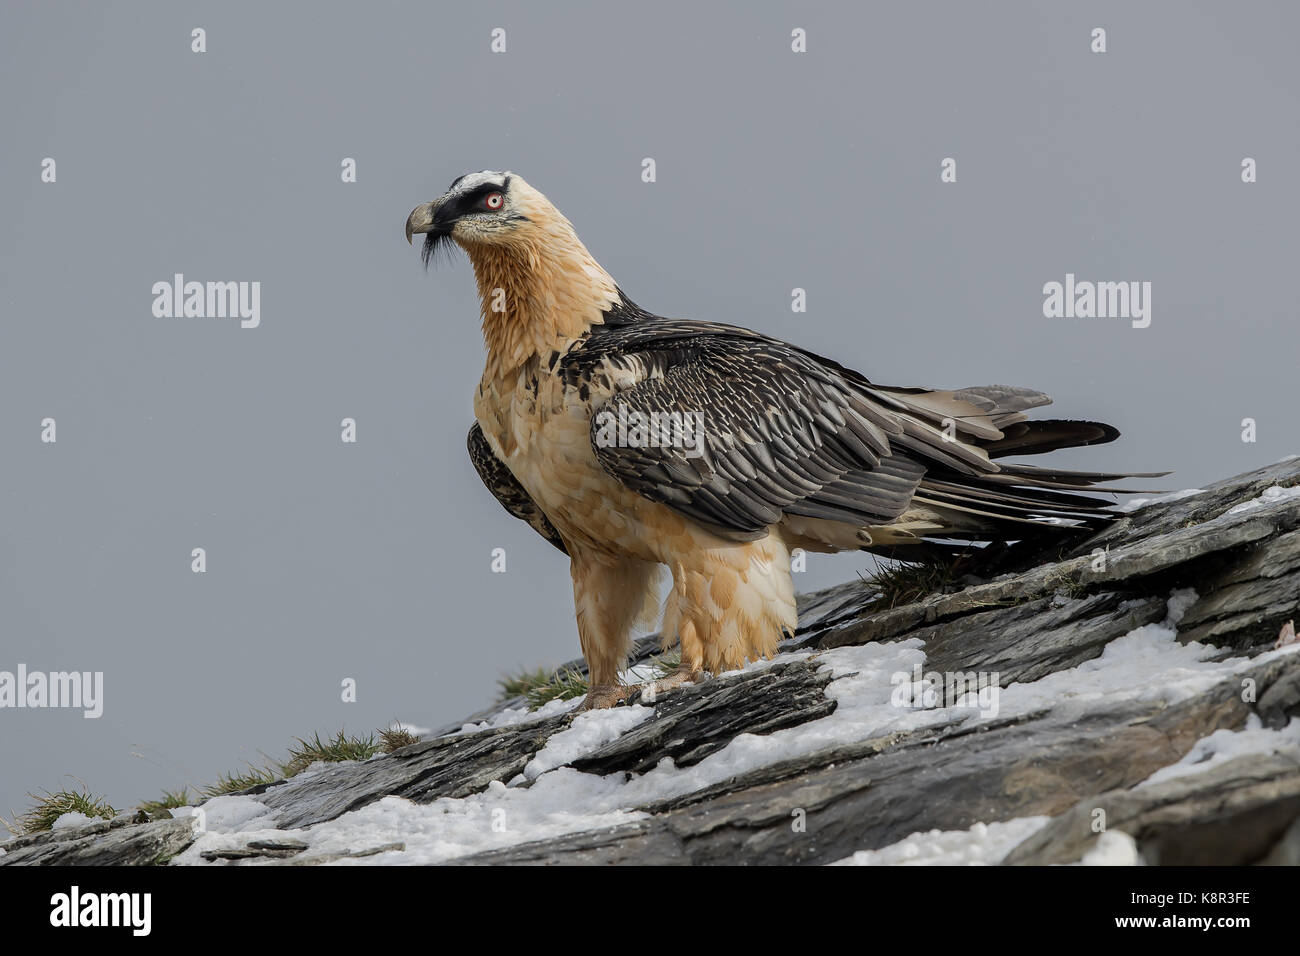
(789, 432)
(500, 480)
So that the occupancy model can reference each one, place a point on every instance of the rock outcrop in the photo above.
(1222, 566)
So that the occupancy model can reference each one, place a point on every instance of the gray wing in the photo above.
(786, 432)
(778, 434)
(502, 483)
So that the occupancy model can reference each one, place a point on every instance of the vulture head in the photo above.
(483, 210)
(537, 283)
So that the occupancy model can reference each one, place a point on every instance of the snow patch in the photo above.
(984, 844)
(1133, 504)
(1113, 848)
(587, 733)
(1223, 745)
(413, 729)
(230, 814)
(513, 716)
(1148, 664)
(72, 819)
(1273, 495)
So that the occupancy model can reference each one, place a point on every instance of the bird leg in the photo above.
(610, 594)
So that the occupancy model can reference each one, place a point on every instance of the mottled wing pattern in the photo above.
(782, 433)
(789, 432)
(502, 483)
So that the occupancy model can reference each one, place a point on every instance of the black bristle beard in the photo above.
(435, 243)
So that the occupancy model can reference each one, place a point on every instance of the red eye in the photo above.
(494, 200)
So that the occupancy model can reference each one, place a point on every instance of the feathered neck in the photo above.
(538, 293)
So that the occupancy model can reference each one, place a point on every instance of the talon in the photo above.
(606, 696)
(683, 674)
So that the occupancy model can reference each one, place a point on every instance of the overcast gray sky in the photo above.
(775, 170)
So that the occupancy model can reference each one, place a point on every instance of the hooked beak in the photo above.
(421, 219)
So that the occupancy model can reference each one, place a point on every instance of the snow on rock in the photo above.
(230, 814)
(1134, 504)
(1113, 848)
(863, 689)
(981, 845)
(521, 715)
(561, 800)
(1273, 495)
(1223, 745)
(880, 690)
(587, 732)
(1146, 663)
(72, 819)
(558, 803)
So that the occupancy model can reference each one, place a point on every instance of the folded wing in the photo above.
(738, 431)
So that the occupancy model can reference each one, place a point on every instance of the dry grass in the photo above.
(898, 584)
(395, 737)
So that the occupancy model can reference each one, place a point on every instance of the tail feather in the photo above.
(1009, 498)
(1038, 437)
(961, 488)
(1015, 501)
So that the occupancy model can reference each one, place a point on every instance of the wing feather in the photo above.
(500, 480)
(781, 434)
(787, 432)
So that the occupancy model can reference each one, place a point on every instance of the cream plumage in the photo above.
(794, 450)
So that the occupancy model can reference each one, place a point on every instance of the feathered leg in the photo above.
(730, 604)
(611, 595)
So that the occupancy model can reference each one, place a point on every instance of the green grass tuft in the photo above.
(302, 755)
(51, 806)
(243, 780)
(171, 799)
(333, 750)
(520, 684)
(561, 685)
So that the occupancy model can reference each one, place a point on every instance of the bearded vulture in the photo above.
(771, 447)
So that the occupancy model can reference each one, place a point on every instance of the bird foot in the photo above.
(612, 695)
(683, 674)
(605, 696)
